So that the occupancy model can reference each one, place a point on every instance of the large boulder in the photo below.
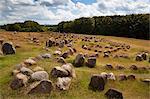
(63, 83)
(59, 72)
(113, 94)
(8, 48)
(79, 60)
(19, 81)
(39, 75)
(91, 62)
(97, 83)
(42, 87)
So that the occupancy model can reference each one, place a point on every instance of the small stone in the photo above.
(147, 81)
(122, 77)
(111, 76)
(109, 66)
(133, 67)
(37, 68)
(113, 94)
(118, 67)
(29, 62)
(139, 58)
(65, 55)
(57, 52)
(47, 55)
(131, 77)
(61, 60)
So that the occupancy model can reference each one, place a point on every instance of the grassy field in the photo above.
(79, 87)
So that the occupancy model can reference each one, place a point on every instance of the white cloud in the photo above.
(54, 11)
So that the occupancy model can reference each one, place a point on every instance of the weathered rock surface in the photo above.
(39, 75)
(113, 94)
(19, 81)
(42, 87)
(91, 62)
(79, 60)
(8, 48)
(97, 83)
(59, 72)
(63, 83)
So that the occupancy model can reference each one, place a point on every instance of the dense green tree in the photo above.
(134, 25)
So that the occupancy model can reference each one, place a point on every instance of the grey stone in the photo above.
(8, 48)
(79, 60)
(113, 94)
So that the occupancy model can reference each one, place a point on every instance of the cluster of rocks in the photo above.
(80, 61)
(134, 67)
(120, 67)
(57, 42)
(121, 55)
(61, 56)
(36, 80)
(123, 77)
(64, 75)
(98, 82)
(112, 47)
(34, 40)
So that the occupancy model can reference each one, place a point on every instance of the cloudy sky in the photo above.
(55, 11)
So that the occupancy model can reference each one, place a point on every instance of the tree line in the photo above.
(134, 26)
(27, 26)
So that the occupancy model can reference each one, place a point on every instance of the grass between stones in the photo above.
(79, 86)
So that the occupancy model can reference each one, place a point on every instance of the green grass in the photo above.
(79, 86)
